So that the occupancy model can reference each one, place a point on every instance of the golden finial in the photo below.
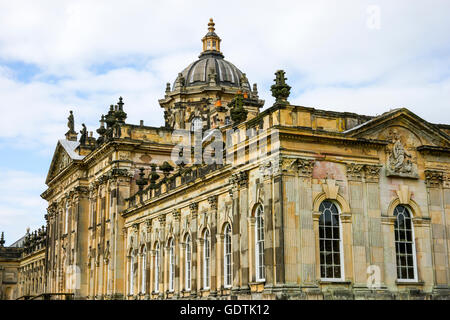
(211, 25)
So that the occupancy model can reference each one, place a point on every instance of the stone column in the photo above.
(194, 226)
(307, 259)
(269, 253)
(243, 233)
(219, 262)
(122, 191)
(199, 275)
(213, 256)
(375, 252)
(359, 231)
(81, 212)
(278, 224)
(163, 256)
(178, 250)
(390, 265)
(251, 221)
(434, 180)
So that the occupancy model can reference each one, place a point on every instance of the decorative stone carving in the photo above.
(399, 160)
(265, 169)
(355, 171)
(176, 214)
(330, 188)
(239, 179)
(212, 200)
(280, 90)
(434, 178)
(372, 172)
(404, 194)
(305, 167)
(193, 207)
(162, 220)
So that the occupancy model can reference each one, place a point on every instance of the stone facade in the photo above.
(127, 219)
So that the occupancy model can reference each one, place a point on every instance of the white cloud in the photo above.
(20, 203)
(85, 54)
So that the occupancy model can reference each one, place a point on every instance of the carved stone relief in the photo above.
(400, 161)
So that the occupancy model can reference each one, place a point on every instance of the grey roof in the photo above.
(226, 72)
(70, 147)
(18, 243)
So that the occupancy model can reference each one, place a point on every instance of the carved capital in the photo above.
(266, 169)
(162, 220)
(212, 200)
(239, 179)
(434, 178)
(81, 192)
(305, 167)
(176, 214)
(148, 224)
(372, 172)
(193, 207)
(355, 171)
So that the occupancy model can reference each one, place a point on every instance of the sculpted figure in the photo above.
(83, 134)
(398, 160)
(71, 122)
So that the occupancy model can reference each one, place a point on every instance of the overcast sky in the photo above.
(55, 56)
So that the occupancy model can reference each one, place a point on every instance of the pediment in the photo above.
(413, 130)
(406, 134)
(63, 156)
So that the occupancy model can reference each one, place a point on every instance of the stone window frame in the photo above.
(341, 244)
(403, 197)
(331, 193)
(131, 271)
(171, 264)
(187, 261)
(143, 268)
(414, 250)
(227, 274)
(156, 266)
(66, 216)
(259, 208)
(206, 263)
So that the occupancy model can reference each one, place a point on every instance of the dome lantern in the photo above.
(211, 41)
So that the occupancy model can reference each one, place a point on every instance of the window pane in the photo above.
(330, 246)
(404, 243)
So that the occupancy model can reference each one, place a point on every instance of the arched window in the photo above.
(206, 260)
(196, 124)
(156, 268)
(227, 256)
(144, 270)
(259, 243)
(405, 248)
(187, 267)
(131, 274)
(171, 265)
(66, 224)
(330, 242)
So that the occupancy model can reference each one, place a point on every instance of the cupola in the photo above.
(211, 41)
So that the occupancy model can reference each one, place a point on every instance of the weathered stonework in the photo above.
(133, 220)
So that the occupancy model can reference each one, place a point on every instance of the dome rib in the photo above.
(197, 72)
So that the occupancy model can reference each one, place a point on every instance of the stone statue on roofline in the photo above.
(83, 137)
